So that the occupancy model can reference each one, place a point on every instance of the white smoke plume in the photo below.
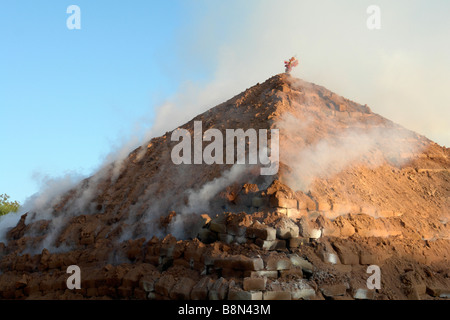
(50, 194)
(7, 222)
(40, 205)
(332, 154)
(199, 200)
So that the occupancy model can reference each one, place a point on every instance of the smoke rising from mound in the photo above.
(199, 199)
(42, 203)
(7, 222)
(330, 155)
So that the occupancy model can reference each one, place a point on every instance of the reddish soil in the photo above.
(384, 203)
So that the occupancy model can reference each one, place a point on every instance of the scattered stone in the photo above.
(236, 294)
(277, 295)
(132, 277)
(165, 284)
(368, 259)
(262, 273)
(286, 228)
(438, 292)
(345, 227)
(276, 262)
(218, 290)
(302, 290)
(304, 264)
(313, 215)
(218, 224)
(328, 257)
(217, 227)
(304, 201)
(209, 257)
(298, 242)
(363, 294)
(295, 214)
(271, 245)
(346, 256)
(168, 246)
(200, 223)
(182, 289)
(194, 251)
(254, 284)
(232, 273)
(237, 224)
(200, 290)
(226, 238)
(239, 262)
(307, 230)
(281, 211)
(261, 231)
(278, 199)
(315, 233)
(207, 236)
(147, 283)
(334, 290)
(293, 272)
(326, 225)
(344, 268)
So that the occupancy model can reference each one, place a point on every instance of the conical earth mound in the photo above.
(352, 189)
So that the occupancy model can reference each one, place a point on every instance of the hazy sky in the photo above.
(140, 68)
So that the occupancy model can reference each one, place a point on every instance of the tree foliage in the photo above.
(6, 205)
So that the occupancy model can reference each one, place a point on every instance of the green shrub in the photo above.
(7, 206)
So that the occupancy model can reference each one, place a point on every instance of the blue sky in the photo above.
(70, 97)
(67, 96)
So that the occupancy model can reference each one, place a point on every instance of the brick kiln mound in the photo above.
(354, 189)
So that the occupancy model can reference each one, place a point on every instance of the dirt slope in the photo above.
(353, 189)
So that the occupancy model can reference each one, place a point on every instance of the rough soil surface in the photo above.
(293, 235)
